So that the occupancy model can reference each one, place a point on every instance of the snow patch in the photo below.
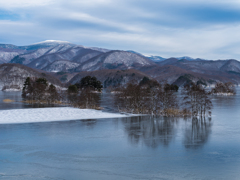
(12, 89)
(52, 114)
(51, 41)
(223, 94)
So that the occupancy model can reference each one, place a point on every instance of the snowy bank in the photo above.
(223, 94)
(11, 90)
(52, 114)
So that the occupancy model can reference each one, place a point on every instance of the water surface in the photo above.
(18, 101)
(125, 148)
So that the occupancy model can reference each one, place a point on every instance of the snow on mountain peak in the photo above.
(53, 41)
(186, 57)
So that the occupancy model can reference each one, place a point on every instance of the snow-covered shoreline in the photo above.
(52, 114)
(12, 90)
(223, 94)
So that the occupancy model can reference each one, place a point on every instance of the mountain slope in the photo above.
(14, 76)
(204, 66)
(77, 54)
(211, 71)
(115, 60)
(42, 52)
(61, 66)
(112, 77)
(39, 55)
(59, 56)
(6, 54)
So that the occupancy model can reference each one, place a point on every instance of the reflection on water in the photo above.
(225, 101)
(197, 133)
(17, 101)
(152, 131)
(90, 123)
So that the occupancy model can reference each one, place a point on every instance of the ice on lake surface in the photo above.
(125, 148)
(32, 115)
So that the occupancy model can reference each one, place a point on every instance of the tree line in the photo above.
(84, 94)
(38, 90)
(224, 88)
(151, 97)
(146, 97)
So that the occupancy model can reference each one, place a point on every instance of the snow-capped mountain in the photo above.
(131, 51)
(77, 54)
(63, 56)
(42, 54)
(99, 49)
(156, 58)
(51, 42)
(188, 58)
(46, 44)
(115, 60)
(42, 50)
(159, 58)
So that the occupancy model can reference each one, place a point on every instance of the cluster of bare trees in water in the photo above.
(161, 99)
(146, 97)
(224, 88)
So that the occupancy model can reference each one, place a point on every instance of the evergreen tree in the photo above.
(172, 87)
(72, 89)
(72, 94)
(27, 88)
(34, 90)
(90, 82)
(42, 81)
(40, 87)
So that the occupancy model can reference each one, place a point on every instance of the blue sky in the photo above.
(168, 28)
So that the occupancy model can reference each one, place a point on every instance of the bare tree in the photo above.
(88, 98)
(168, 100)
(221, 88)
(196, 100)
(131, 99)
(52, 95)
(147, 98)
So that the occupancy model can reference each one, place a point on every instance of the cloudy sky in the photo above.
(168, 28)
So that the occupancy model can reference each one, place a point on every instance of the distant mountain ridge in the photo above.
(41, 55)
(61, 56)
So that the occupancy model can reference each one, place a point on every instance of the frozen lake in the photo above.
(124, 148)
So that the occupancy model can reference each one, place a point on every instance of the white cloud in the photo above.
(9, 4)
(78, 16)
(90, 2)
(125, 24)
